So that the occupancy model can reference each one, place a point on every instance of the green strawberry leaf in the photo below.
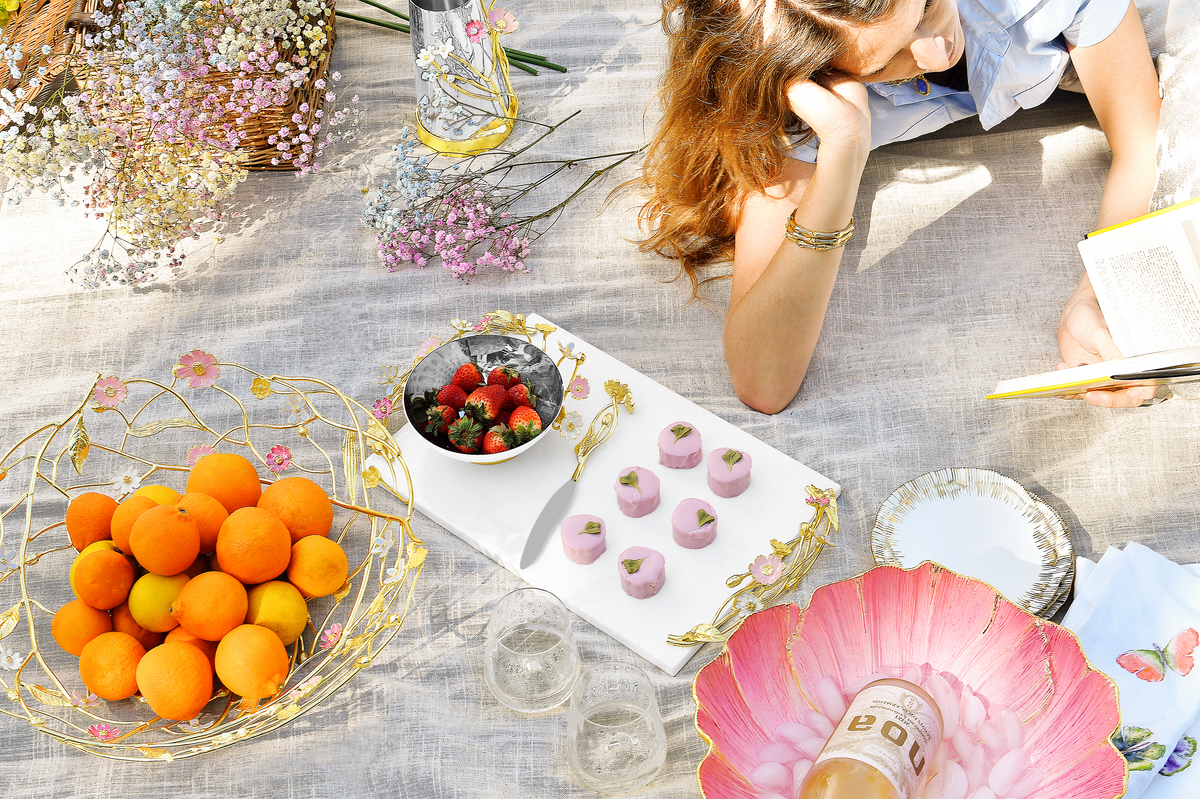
(631, 565)
(680, 432)
(731, 457)
(630, 479)
(591, 528)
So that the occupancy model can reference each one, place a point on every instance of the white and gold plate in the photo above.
(982, 524)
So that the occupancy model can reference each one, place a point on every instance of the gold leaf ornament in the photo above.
(9, 619)
(260, 388)
(372, 478)
(48, 697)
(78, 445)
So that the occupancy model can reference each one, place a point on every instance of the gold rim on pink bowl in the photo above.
(889, 617)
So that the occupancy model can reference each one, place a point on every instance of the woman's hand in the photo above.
(837, 113)
(1083, 337)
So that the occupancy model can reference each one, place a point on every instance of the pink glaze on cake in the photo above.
(640, 499)
(728, 479)
(649, 576)
(686, 528)
(679, 446)
(580, 546)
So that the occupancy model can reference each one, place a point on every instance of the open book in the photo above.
(1146, 273)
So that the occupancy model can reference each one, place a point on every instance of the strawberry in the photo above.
(466, 434)
(485, 403)
(453, 396)
(525, 423)
(521, 395)
(503, 417)
(422, 403)
(498, 439)
(505, 376)
(438, 418)
(468, 377)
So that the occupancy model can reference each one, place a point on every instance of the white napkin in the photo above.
(1133, 605)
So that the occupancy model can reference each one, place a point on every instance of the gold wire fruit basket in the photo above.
(127, 433)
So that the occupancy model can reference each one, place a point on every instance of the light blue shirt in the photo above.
(1016, 52)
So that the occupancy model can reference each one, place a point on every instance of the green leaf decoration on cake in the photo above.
(631, 480)
(731, 457)
(1139, 751)
(702, 518)
(681, 431)
(632, 565)
(591, 528)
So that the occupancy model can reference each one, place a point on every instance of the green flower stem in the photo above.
(533, 58)
(395, 26)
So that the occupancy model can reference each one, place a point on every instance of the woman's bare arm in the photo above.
(780, 289)
(1122, 87)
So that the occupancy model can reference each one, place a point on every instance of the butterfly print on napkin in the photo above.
(1151, 664)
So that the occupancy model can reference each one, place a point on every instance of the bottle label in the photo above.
(890, 729)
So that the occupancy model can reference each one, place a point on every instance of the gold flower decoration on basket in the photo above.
(770, 575)
(127, 432)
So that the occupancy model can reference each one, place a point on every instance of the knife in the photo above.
(599, 431)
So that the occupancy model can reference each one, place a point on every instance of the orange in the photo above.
(175, 679)
(252, 662)
(228, 478)
(98, 546)
(209, 648)
(162, 495)
(89, 517)
(253, 546)
(210, 605)
(165, 540)
(208, 514)
(318, 566)
(103, 578)
(124, 517)
(108, 665)
(76, 623)
(124, 622)
(301, 505)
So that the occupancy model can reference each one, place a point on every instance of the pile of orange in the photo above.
(174, 589)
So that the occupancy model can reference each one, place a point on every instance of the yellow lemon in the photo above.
(279, 607)
(150, 601)
(160, 494)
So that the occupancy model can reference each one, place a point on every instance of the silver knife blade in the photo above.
(555, 507)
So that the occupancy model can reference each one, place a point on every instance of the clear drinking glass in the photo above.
(531, 659)
(615, 737)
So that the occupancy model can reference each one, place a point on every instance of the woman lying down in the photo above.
(772, 107)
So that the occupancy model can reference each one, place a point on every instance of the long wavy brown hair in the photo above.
(726, 120)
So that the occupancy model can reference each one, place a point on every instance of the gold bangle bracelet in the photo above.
(814, 240)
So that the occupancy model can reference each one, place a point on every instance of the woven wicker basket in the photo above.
(62, 24)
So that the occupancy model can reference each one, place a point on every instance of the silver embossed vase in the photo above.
(465, 102)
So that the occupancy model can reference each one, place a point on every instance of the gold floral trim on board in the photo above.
(770, 575)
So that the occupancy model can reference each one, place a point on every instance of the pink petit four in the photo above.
(637, 491)
(583, 538)
(694, 524)
(679, 446)
(643, 572)
(728, 471)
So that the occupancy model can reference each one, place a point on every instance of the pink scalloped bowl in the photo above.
(769, 669)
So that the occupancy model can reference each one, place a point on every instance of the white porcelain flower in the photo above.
(571, 426)
(126, 482)
(10, 659)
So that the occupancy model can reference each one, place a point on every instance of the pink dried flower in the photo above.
(104, 732)
(198, 368)
(382, 408)
(331, 636)
(110, 392)
(279, 458)
(579, 388)
(197, 452)
(766, 569)
(502, 20)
